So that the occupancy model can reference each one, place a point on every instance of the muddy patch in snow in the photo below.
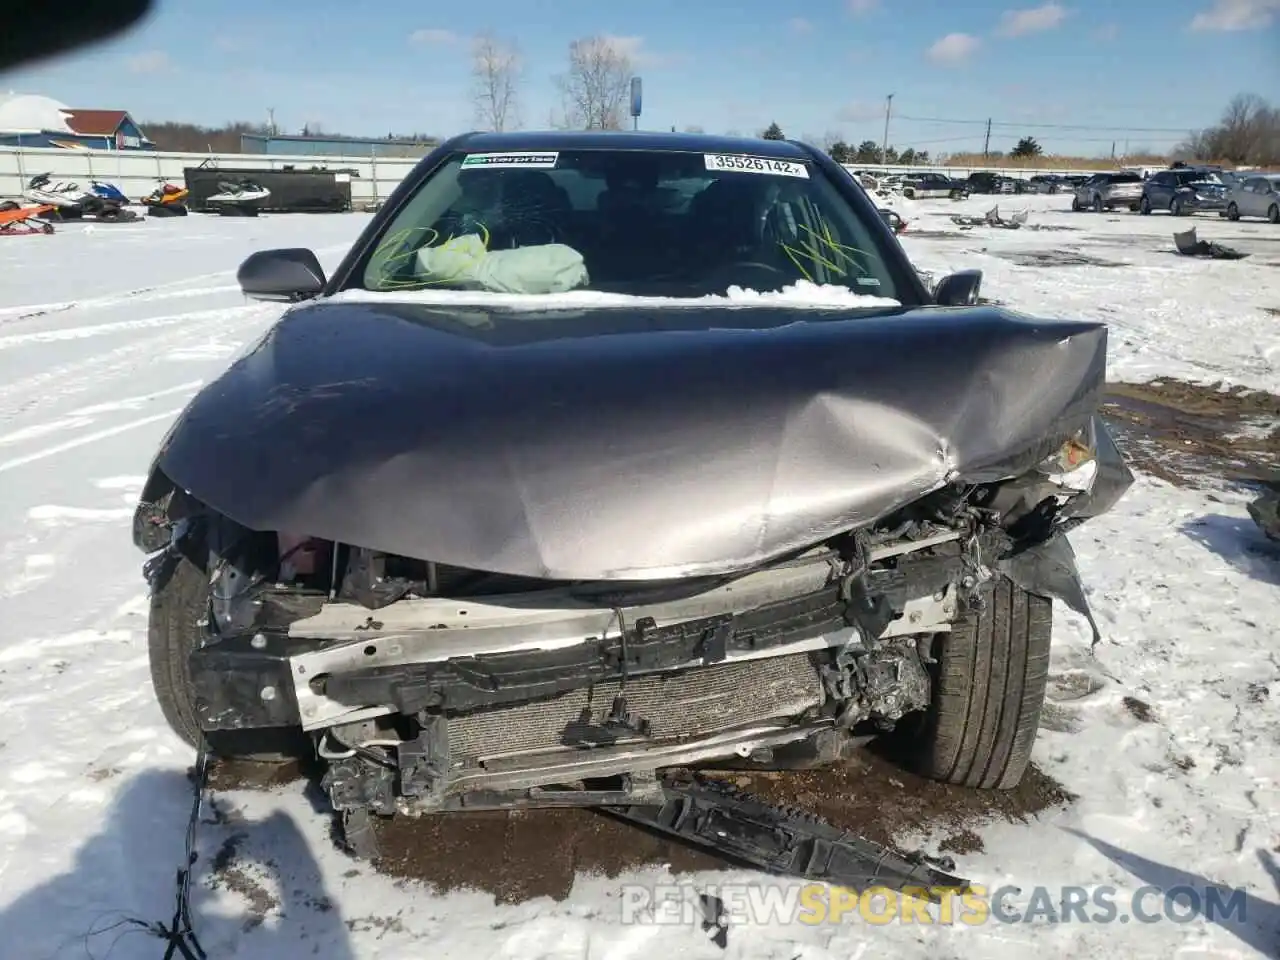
(230, 871)
(1185, 433)
(524, 854)
(1054, 258)
(519, 855)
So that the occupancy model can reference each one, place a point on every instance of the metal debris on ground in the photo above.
(1186, 243)
(992, 218)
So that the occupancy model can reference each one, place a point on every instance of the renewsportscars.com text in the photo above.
(816, 903)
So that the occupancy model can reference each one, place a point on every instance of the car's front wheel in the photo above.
(1233, 212)
(1144, 207)
(179, 606)
(1273, 214)
(989, 687)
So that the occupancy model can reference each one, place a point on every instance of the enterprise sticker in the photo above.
(526, 160)
(737, 163)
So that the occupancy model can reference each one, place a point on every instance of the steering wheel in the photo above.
(739, 272)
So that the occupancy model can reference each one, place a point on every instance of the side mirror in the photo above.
(288, 275)
(958, 289)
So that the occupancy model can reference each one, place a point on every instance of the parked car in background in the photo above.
(984, 181)
(1046, 183)
(926, 186)
(1183, 191)
(1257, 196)
(1106, 191)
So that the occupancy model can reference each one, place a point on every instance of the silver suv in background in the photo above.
(1255, 196)
(1106, 191)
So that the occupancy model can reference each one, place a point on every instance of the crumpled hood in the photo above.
(622, 442)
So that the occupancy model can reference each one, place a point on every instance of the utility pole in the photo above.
(986, 144)
(888, 110)
(271, 120)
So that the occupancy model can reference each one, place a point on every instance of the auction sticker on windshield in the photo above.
(740, 164)
(526, 160)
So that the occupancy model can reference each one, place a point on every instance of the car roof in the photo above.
(632, 140)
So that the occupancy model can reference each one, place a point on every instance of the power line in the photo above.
(1182, 131)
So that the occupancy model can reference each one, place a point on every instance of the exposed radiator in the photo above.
(691, 703)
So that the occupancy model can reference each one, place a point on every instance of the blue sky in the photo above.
(724, 65)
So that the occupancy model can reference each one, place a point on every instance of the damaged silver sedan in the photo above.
(603, 456)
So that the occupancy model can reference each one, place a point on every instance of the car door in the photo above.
(1267, 195)
(1160, 190)
(1251, 197)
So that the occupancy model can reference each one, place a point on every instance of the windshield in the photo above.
(649, 223)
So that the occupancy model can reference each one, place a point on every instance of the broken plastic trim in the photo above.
(786, 841)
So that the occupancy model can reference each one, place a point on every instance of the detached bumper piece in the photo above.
(784, 841)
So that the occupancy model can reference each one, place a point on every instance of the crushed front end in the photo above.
(425, 687)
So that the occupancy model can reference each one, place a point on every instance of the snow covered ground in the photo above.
(105, 332)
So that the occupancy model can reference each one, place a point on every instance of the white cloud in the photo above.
(1017, 23)
(433, 36)
(152, 61)
(954, 49)
(1229, 15)
(859, 7)
(799, 25)
(633, 49)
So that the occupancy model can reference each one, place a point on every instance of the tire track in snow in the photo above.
(58, 383)
(104, 434)
(168, 291)
(87, 416)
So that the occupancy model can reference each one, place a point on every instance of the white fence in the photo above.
(136, 172)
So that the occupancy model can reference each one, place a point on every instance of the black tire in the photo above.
(173, 631)
(989, 687)
(1175, 207)
(1233, 212)
(1145, 206)
(1273, 214)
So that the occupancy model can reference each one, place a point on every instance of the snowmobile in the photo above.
(166, 200)
(17, 220)
(71, 201)
(238, 198)
(66, 197)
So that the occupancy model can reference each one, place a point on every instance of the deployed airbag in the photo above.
(464, 262)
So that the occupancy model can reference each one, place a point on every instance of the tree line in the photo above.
(1248, 133)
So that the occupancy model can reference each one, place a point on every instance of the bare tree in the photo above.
(596, 86)
(1249, 132)
(495, 75)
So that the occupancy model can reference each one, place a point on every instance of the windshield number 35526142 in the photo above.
(767, 165)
